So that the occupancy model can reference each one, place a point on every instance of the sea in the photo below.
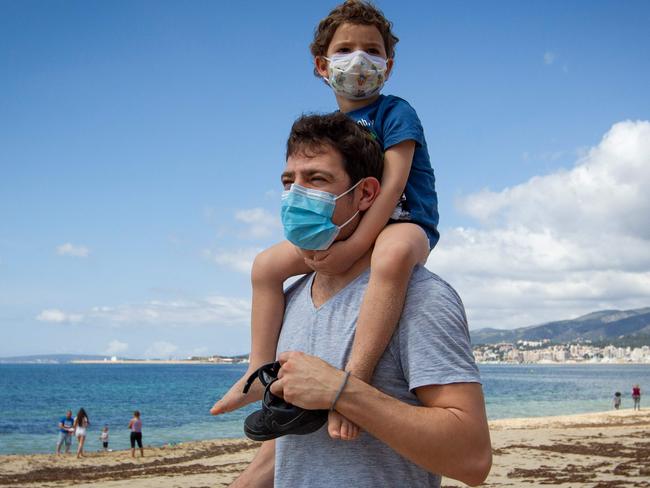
(175, 399)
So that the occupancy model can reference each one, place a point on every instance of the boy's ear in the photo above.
(321, 65)
(389, 67)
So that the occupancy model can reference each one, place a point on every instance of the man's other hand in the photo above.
(307, 381)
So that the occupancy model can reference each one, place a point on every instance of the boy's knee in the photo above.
(394, 257)
(268, 268)
(262, 267)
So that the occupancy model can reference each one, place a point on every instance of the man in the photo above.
(424, 415)
(65, 433)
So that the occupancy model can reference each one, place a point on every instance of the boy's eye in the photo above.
(343, 50)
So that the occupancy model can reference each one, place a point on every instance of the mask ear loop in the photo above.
(350, 189)
(345, 193)
(348, 221)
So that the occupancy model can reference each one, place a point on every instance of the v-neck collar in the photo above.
(333, 298)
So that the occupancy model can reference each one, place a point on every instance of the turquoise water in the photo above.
(175, 399)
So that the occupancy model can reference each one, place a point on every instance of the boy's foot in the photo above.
(236, 398)
(338, 427)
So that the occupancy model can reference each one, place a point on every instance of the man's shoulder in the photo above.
(426, 281)
(296, 287)
(430, 295)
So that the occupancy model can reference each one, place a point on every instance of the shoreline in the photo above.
(580, 450)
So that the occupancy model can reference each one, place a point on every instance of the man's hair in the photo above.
(361, 153)
(359, 12)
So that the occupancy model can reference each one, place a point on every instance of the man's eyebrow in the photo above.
(290, 175)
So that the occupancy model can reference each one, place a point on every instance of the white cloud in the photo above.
(57, 316)
(240, 260)
(160, 350)
(260, 222)
(549, 57)
(69, 249)
(210, 311)
(116, 347)
(561, 244)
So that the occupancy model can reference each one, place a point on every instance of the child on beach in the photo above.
(103, 437)
(617, 400)
(353, 51)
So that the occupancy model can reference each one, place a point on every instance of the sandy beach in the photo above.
(609, 449)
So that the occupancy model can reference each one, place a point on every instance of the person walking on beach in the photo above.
(617, 400)
(103, 437)
(65, 433)
(135, 425)
(80, 426)
(636, 397)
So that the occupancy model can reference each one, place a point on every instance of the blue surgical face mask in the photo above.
(307, 217)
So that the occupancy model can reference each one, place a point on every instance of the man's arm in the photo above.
(259, 473)
(448, 435)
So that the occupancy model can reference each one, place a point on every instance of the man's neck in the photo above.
(325, 287)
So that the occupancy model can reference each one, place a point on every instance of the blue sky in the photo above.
(141, 145)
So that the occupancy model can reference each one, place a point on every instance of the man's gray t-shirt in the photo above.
(430, 347)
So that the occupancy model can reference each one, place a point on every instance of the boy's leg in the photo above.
(399, 247)
(270, 270)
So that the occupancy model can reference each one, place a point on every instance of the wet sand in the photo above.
(601, 450)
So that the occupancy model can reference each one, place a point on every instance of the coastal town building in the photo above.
(545, 352)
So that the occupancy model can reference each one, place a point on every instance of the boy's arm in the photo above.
(397, 166)
(260, 472)
(342, 254)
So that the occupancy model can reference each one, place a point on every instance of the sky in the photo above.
(141, 146)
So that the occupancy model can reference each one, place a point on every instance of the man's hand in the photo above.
(337, 259)
(307, 381)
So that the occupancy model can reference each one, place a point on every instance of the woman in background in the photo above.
(135, 425)
(80, 426)
(636, 396)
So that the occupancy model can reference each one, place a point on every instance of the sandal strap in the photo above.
(274, 366)
(250, 380)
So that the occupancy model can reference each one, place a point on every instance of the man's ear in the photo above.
(321, 66)
(370, 188)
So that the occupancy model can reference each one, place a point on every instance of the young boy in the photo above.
(104, 437)
(353, 50)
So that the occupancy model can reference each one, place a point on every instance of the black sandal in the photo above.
(277, 417)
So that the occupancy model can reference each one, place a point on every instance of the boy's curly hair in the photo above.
(361, 153)
(359, 12)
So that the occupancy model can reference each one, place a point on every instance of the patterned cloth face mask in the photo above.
(307, 217)
(357, 75)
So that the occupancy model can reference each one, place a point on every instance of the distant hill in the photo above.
(602, 326)
(51, 358)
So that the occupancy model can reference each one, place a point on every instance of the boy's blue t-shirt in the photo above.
(392, 120)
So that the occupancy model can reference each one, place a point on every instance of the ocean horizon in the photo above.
(175, 399)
